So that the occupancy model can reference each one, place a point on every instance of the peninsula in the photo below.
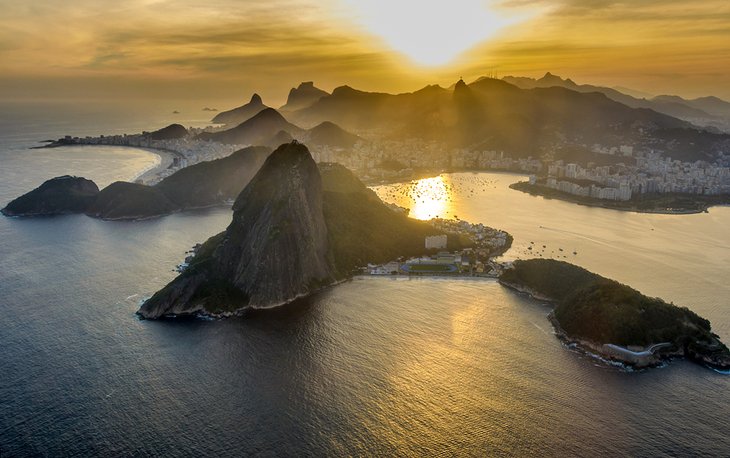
(666, 203)
(611, 320)
(296, 228)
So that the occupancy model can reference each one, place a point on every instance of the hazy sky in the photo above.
(222, 50)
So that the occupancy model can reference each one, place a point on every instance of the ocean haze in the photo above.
(375, 366)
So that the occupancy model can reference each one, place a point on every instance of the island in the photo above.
(57, 196)
(605, 318)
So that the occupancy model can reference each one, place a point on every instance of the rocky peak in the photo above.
(275, 249)
(303, 96)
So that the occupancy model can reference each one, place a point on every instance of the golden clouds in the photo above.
(218, 46)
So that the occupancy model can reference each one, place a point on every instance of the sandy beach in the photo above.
(150, 175)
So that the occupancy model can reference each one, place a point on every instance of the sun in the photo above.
(431, 33)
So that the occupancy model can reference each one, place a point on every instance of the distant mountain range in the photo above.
(704, 111)
(303, 96)
(497, 114)
(270, 128)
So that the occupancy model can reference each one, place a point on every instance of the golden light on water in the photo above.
(431, 198)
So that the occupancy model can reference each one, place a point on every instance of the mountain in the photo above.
(330, 134)
(124, 200)
(256, 131)
(171, 132)
(199, 185)
(296, 228)
(213, 182)
(303, 96)
(60, 195)
(243, 113)
(274, 250)
(677, 107)
(491, 114)
(712, 105)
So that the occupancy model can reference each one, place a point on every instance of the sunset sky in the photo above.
(222, 50)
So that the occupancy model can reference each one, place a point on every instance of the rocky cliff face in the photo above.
(275, 249)
(303, 96)
(60, 195)
(295, 229)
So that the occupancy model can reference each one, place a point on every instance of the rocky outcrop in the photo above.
(296, 228)
(275, 249)
(303, 96)
(60, 195)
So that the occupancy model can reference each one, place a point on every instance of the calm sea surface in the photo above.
(376, 366)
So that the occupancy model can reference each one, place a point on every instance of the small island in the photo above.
(606, 318)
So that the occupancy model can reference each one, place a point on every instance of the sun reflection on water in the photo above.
(431, 198)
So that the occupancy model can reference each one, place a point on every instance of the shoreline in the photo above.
(148, 175)
(591, 349)
(548, 193)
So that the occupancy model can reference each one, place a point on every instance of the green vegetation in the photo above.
(65, 194)
(219, 296)
(212, 182)
(594, 308)
(362, 229)
(429, 268)
(123, 200)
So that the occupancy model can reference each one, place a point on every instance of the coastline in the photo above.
(149, 175)
(592, 349)
(699, 204)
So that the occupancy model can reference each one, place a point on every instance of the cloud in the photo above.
(225, 44)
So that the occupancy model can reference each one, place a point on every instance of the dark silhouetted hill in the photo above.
(171, 132)
(243, 113)
(303, 96)
(60, 195)
(256, 131)
(328, 133)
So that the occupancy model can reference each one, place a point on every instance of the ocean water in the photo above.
(375, 366)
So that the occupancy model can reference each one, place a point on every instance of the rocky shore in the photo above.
(613, 322)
